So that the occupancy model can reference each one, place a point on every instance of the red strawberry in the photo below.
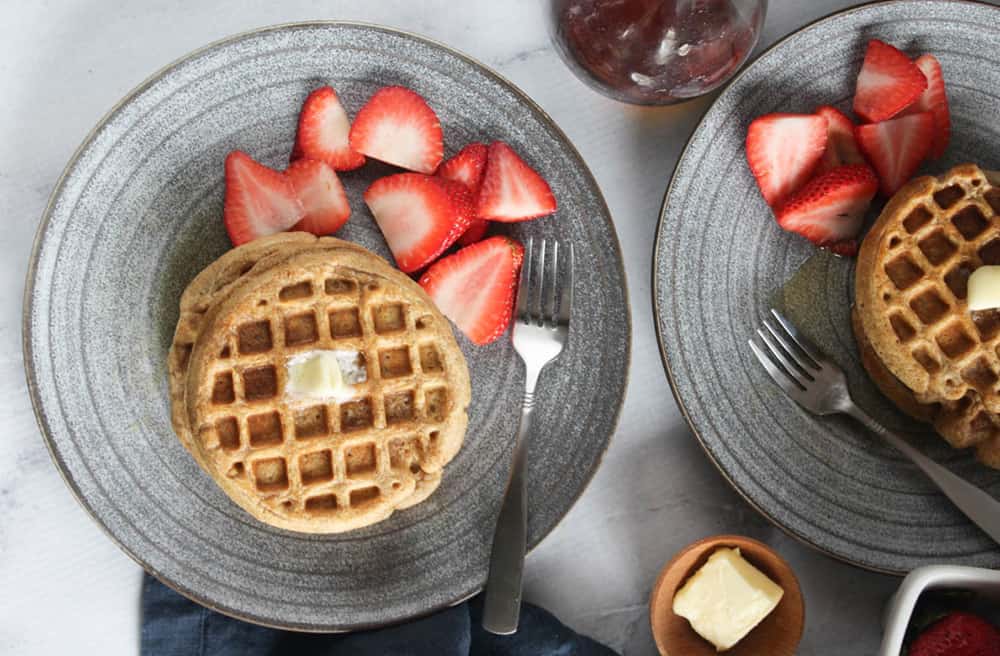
(896, 147)
(841, 148)
(319, 190)
(466, 167)
(887, 84)
(934, 100)
(462, 200)
(958, 634)
(397, 126)
(323, 132)
(259, 200)
(511, 190)
(783, 151)
(477, 230)
(476, 286)
(830, 209)
(417, 217)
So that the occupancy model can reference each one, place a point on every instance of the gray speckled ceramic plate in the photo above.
(138, 213)
(721, 261)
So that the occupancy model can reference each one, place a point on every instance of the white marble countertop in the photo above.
(67, 587)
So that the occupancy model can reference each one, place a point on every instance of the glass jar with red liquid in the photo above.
(655, 52)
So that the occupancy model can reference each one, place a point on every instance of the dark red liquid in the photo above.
(656, 51)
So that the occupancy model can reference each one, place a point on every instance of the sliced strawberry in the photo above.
(397, 126)
(462, 200)
(477, 230)
(934, 100)
(887, 84)
(466, 167)
(841, 148)
(511, 190)
(417, 217)
(319, 190)
(475, 287)
(830, 209)
(323, 132)
(783, 151)
(896, 147)
(259, 200)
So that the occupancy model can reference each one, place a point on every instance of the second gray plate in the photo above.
(721, 262)
(138, 213)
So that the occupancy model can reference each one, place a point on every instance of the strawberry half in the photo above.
(830, 209)
(887, 84)
(896, 147)
(841, 148)
(397, 126)
(319, 190)
(934, 100)
(476, 231)
(466, 167)
(511, 190)
(417, 217)
(957, 634)
(323, 132)
(476, 286)
(783, 151)
(259, 200)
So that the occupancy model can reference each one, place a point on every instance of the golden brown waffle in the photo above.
(911, 287)
(303, 464)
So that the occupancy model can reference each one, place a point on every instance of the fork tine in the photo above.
(523, 311)
(805, 346)
(566, 286)
(540, 286)
(549, 317)
(779, 353)
(780, 378)
(804, 363)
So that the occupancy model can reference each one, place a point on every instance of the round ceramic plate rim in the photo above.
(655, 286)
(40, 234)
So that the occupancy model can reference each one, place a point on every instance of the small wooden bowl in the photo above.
(778, 635)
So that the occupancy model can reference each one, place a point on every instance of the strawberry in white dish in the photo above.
(511, 190)
(417, 217)
(322, 196)
(830, 209)
(841, 148)
(783, 151)
(323, 132)
(398, 127)
(887, 84)
(934, 100)
(896, 147)
(259, 200)
(476, 287)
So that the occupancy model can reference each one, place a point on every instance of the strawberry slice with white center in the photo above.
(511, 190)
(841, 148)
(896, 147)
(830, 209)
(934, 100)
(887, 84)
(322, 195)
(259, 200)
(417, 217)
(323, 132)
(476, 287)
(398, 127)
(783, 150)
(466, 167)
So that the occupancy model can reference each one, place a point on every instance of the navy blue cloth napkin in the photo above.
(174, 626)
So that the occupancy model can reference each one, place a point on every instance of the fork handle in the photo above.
(978, 505)
(502, 602)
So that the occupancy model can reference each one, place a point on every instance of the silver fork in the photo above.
(819, 386)
(541, 328)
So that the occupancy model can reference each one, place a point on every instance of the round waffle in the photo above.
(911, 287)
(301, 464)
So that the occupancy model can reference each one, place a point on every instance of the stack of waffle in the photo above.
(933, 357)
(307, 464)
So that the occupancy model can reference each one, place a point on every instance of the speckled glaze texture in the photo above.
(139, 212)
(721, 262)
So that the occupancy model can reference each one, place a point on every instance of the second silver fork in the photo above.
(539, 333)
